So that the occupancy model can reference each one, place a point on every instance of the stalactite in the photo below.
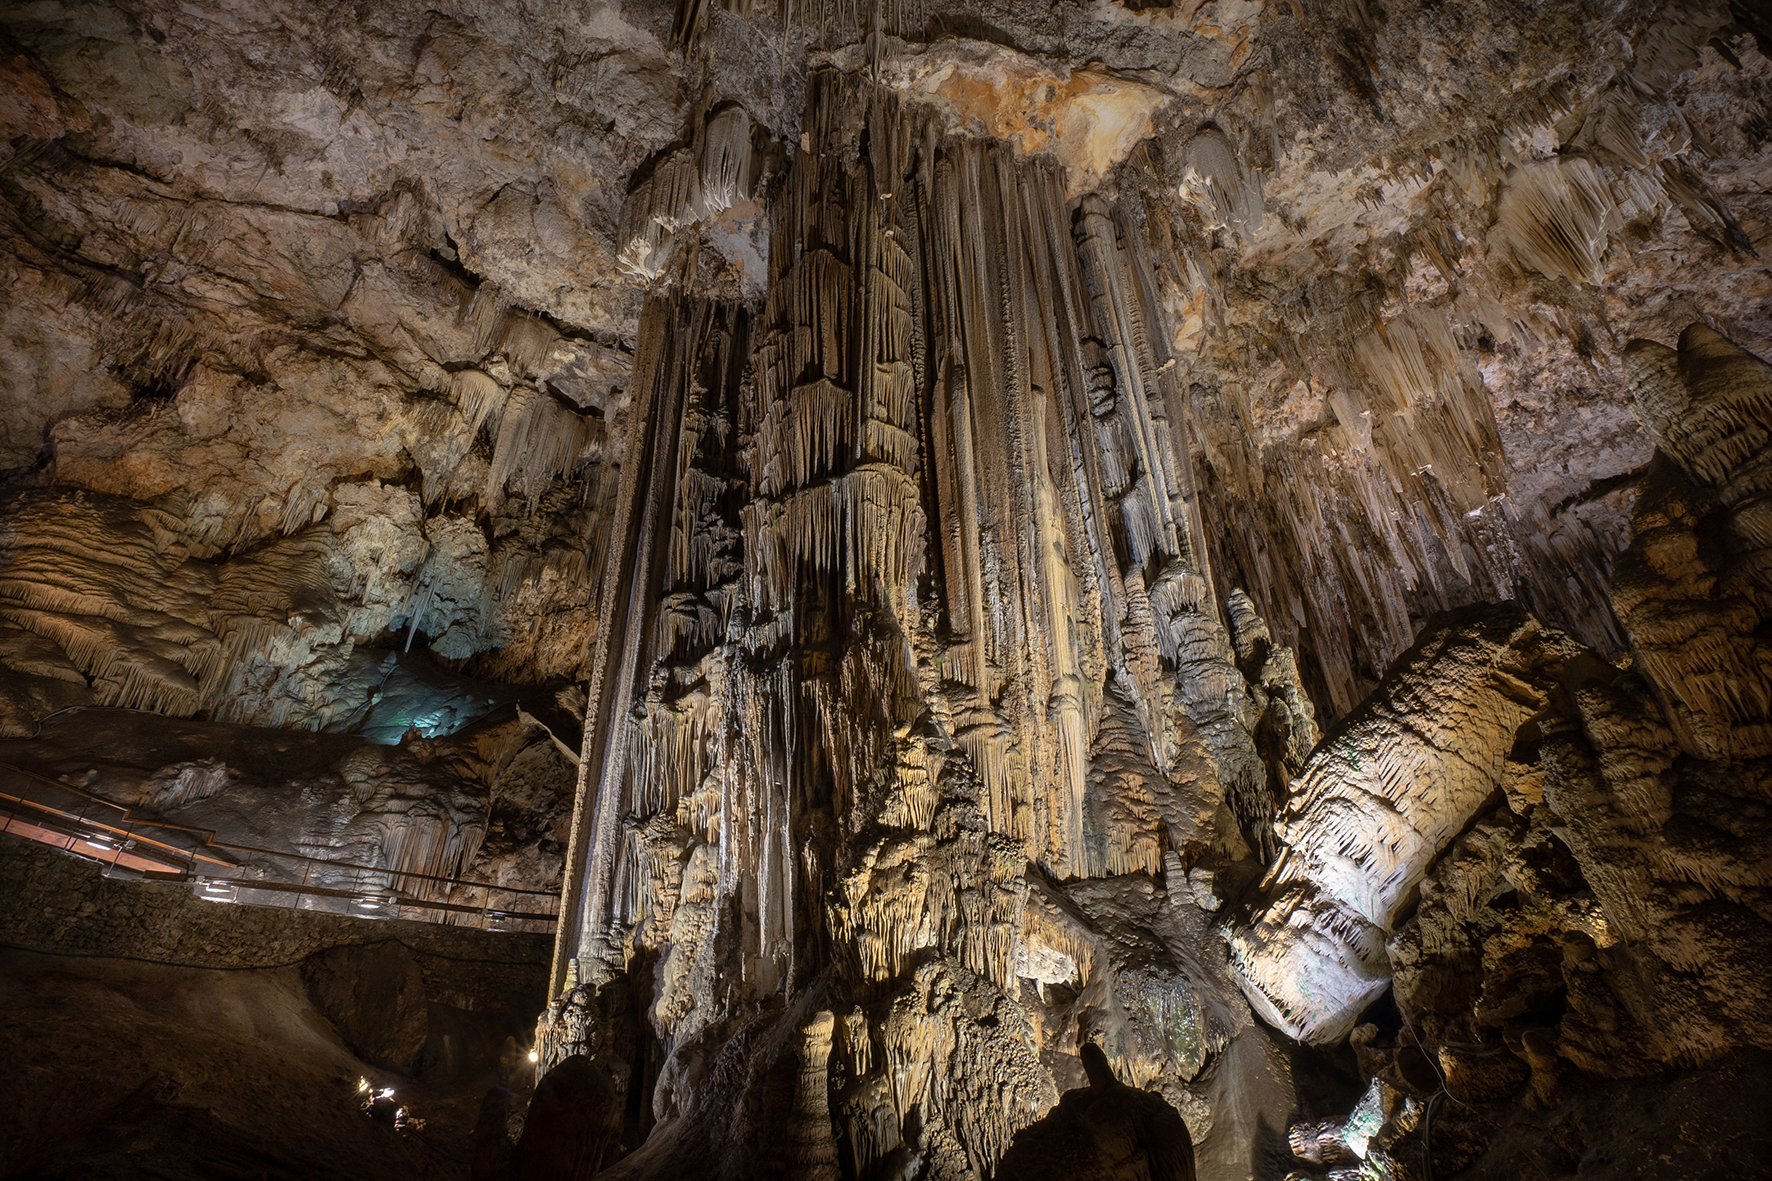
(1552, 215)
(478, 396)
(685, 187)
(538, 440)
(114, 590)
(728, 161)
(915, 615)
(688, 351)
(1213, 180)
(937, 723)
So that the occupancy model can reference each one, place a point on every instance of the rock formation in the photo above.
(1106, 1130)
(1600, 913)
(1217, 547)
(1384, 795)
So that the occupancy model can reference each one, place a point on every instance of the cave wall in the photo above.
(450, 819)
(1397, 299)
(1410, 390)
(1588, 921)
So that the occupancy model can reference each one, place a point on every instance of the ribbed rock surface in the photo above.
(1600, 932)
(1387, 791)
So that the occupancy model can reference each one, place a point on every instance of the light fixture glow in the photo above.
(211, 890)
(534, 1057)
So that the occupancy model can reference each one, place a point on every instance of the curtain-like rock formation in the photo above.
(911, 629)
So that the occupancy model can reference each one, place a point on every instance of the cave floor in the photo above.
(124, 1069)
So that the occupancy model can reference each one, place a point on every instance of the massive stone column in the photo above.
(908, 658)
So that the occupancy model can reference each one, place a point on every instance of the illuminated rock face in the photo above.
(910, 648)
(956, 462)
(1603, 919)
(1385, 793)
(1490, 702)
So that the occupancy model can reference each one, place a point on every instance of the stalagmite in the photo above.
(814, 1150)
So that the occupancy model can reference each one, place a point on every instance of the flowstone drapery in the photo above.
(910, 653)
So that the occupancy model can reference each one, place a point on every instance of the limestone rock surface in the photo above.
(958, 536)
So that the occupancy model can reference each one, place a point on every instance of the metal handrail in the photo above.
(209, 841)
(396, 900)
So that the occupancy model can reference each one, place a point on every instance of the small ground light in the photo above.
(534, 1056)
(215, 891)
